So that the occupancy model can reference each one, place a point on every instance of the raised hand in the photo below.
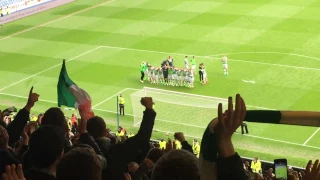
(4, 138)
(127, 176)
(32, 98)
(147, 102)
(229, 121)
(24, 134)
(314, 173)
(148, 163)
(82, 126)
(12, 174)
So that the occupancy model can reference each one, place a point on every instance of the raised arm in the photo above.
(120, 155)
(21, 119)
(302, 118)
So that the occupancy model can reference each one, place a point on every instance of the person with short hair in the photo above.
(80, 163)
(45, 150)
(176, 164)
(121, 104)
(162, 144)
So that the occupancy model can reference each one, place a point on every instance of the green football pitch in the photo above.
(273, 43)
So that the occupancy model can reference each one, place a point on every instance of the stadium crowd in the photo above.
(49, 147)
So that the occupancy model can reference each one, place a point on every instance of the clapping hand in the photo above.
(4, 138)
(12, 174)
(312, 173)
(229, 121)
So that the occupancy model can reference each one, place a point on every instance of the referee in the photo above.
(201, 72)
(121, 104)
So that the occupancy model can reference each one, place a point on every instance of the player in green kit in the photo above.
(190, 78)
(156, 75)
(161, 79)
(143, 68)
(193, 64)
(151, 75)
(185, 77)
(179, 79)
(174, 76)
(170, 72)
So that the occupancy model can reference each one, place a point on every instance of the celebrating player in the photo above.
(190, 78)
(225, 65)
(204, 74)
(186, 62)
(193, 64)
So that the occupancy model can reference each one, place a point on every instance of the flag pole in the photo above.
(118, 115)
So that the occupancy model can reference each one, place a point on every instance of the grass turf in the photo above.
(273, 43)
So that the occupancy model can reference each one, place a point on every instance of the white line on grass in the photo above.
(109, 98)
(271, 52)
(311, 136)
(210, 57)
(6, 87)
(58, 19)
(252, 136)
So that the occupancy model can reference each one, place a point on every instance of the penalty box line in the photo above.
(107, 99)
(252, 136)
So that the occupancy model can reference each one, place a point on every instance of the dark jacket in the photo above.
(120, 155)
(35, 174)
(231, 168)
(104, 144)
(186, 146)
(16, 126)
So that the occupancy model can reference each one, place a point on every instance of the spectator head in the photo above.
(162, 140)
(154, 154)
(46, 146)
(80, 163)
(97, 127)
(247, 164)
(177, 164)
(39, 118)
(255, 159)
(54, 116)
(121, 95)
(133, 167)
(113, 140)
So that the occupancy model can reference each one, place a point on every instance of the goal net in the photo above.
(177, 111)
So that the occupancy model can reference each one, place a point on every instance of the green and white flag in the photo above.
(70, 95)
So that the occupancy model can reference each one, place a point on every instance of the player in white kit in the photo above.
(186, 63)
(225, 65)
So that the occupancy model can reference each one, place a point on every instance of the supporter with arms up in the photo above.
(218, 159)
(120, 155)
(21, 119)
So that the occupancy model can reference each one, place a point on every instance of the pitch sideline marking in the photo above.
(55, 20)
(252, 136)
(109, 98)
(210, 57)
(270, 52)
(311, 136)
(6, 87)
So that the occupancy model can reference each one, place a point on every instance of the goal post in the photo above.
(177, 111)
